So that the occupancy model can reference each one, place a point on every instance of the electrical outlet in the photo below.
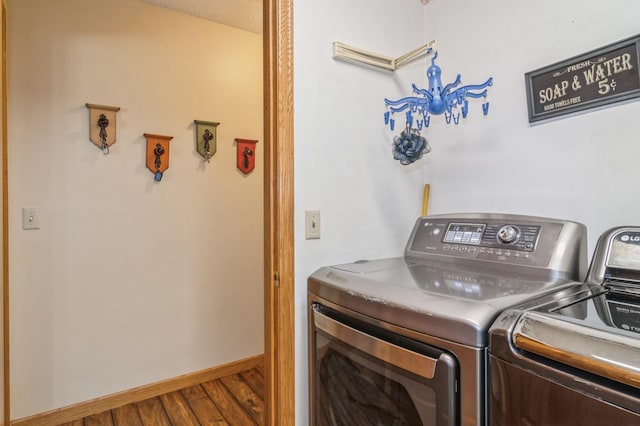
(312, 224)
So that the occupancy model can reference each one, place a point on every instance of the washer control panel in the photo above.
(513, 239)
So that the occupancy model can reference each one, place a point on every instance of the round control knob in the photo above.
(508, 234)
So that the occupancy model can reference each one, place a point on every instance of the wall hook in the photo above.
(245, 154)
(206, 138)
(157, 154)
(102, 125)
(359, 56)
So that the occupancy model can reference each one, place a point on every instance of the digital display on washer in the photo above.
(625, 251)
(464, 233)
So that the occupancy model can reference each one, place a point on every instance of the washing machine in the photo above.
(573, 358)
(404, 340)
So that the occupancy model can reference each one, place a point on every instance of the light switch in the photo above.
(30, 218)
(312, 224)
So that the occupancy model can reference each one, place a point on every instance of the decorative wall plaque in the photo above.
(102, 125)
(599, 77)
(206, 138)
(157, 154)
(246, 154)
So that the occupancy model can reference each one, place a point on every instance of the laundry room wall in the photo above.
(129, 281)
(343, 161)
(580, 167)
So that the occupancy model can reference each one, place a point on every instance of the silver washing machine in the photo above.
(574, 357)
(403, 341)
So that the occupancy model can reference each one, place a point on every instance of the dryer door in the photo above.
(365, 375)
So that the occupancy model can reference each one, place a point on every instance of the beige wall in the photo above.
(128, 281)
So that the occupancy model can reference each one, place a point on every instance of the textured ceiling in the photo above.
(243, 14)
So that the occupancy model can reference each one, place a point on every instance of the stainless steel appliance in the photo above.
(573, 358)
(403, 341)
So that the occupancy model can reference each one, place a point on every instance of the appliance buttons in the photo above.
(508, 234)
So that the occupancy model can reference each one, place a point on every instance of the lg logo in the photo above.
(632, 238)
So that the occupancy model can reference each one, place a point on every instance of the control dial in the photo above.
(508, 234)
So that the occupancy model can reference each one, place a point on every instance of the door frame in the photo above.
(5, 417)
(279, 283)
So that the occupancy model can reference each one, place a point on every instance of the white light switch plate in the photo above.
(30, 218)
(312, 224)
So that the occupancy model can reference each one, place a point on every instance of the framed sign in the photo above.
(599, 77)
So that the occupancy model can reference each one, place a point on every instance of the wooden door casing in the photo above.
(278, 212)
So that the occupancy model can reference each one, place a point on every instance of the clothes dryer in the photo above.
(403, 341)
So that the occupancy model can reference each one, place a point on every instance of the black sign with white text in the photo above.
(603, 76)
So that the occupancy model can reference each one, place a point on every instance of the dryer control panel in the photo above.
(508, 239)
(517, 236)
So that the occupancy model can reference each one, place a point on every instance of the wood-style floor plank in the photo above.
(127, 415)
(100, 419)
(178, 409)
(236, 399)
(255, 379)
(203, 407)
(152, 413)
(233, 413)
(252, 403)
(79, 422)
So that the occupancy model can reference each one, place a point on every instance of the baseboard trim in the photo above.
(109, 402)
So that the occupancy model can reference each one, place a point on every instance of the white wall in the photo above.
(579, 167)
(576, 168)
(129, 281)
(343, 161)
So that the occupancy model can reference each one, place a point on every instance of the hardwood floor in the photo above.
(236, 399)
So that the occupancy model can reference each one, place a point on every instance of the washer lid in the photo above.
(601, 352)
